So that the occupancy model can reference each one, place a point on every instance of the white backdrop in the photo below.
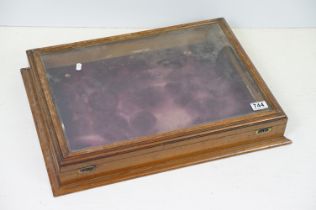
(282, 178)
(147, 13)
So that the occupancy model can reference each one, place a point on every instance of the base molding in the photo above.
(174, 163)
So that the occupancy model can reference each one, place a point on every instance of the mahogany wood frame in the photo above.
(74, 171)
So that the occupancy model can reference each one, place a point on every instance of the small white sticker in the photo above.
(78, 67)
(259, 105)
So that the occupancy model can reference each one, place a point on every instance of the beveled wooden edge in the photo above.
(48, 154)
(138, 143)
(48, 115)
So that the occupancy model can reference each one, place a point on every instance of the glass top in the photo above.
(121, 90)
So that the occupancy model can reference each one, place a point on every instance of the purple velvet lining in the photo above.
(147, 93)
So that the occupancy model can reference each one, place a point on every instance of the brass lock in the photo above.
(263, 130)
(87, 169)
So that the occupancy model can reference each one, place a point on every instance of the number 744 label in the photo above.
(259, 105)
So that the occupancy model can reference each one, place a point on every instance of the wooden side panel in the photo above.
(50, 161)
(173, 163)
(172, 150)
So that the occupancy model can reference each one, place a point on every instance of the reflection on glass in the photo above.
(121, 92)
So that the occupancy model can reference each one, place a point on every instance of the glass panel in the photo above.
(121, 90)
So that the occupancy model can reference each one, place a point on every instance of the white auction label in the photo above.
(259, 105)
(78, 66)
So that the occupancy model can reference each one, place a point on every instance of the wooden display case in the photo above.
(125, 106)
